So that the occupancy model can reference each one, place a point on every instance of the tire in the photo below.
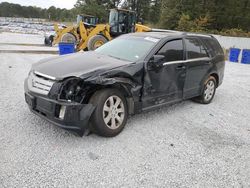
(96, 41)
(46, 41)
(208, 92)
(108, 120)
(49, 40)
(68, 38)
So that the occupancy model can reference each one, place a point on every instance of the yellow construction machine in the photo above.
(88, 34)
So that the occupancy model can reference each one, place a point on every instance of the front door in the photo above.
(164, 84)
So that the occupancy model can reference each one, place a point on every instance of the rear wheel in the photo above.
(110, 115)
(96, 41)
(68, 38)
(208, 91)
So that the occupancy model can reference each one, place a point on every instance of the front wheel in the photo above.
(69, 38)
(96, 41)
(208, 91)
(110, 115)
(48, 41)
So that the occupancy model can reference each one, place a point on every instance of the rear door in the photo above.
(165, 84)
(198, 64)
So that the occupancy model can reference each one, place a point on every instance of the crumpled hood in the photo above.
(76, 64)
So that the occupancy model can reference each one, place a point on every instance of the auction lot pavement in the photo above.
(183, 145)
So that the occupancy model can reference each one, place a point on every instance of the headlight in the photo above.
(72, 90)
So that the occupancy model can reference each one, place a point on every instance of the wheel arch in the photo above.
(123, 88)
(216, 76)
(213, 74)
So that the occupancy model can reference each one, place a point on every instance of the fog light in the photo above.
(62, 112)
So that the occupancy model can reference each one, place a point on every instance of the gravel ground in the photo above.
(183, 145)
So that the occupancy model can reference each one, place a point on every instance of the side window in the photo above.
(172, 50)
(213, 46)
(195, 49)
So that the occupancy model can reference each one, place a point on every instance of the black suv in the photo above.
(97, 91)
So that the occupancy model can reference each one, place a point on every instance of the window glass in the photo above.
(195, 49)
(173, 51)
(213, 46)
(128, 48)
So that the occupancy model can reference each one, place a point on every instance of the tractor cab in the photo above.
(121, 22)
(87, 19)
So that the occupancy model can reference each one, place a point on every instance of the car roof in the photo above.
(160, 34)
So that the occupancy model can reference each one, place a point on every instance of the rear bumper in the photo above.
(76, 116)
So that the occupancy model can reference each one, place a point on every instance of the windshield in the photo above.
(78, 19)
(128, 48)
(113, 17)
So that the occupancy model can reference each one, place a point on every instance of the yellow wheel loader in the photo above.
(89, 35)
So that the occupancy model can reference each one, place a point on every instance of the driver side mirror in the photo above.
(157, 60)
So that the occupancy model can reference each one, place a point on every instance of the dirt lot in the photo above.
(183, 145)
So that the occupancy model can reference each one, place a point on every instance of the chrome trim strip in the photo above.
(44, 75)
(173, 62)
(187, 61)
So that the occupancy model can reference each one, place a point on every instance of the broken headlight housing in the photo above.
(72, 90)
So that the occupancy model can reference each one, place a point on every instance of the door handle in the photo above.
(208, 63)
(180, 67)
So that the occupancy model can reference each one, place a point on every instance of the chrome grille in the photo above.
(39, 84)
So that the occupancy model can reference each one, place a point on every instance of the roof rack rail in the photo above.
(182, 32)
(198, 34)
(165, 30)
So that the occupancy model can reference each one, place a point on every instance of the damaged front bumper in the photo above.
(70, 116)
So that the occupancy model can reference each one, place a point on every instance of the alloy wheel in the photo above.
(209, 90)
(113, 112)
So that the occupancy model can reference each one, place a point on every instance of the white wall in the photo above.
(233, 42)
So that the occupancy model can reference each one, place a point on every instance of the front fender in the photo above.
(115, 80)
(130, 89)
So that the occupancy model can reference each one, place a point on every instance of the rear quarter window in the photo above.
(213, 46)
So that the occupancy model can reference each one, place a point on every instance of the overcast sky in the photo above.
(68, 4)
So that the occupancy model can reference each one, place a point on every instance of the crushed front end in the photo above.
(59, 102)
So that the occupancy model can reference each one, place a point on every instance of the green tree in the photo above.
(197, 25)
(51, 12)
(185, 23)
(170, 13)
(93, 7)
(155, 11)
(141, 7)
